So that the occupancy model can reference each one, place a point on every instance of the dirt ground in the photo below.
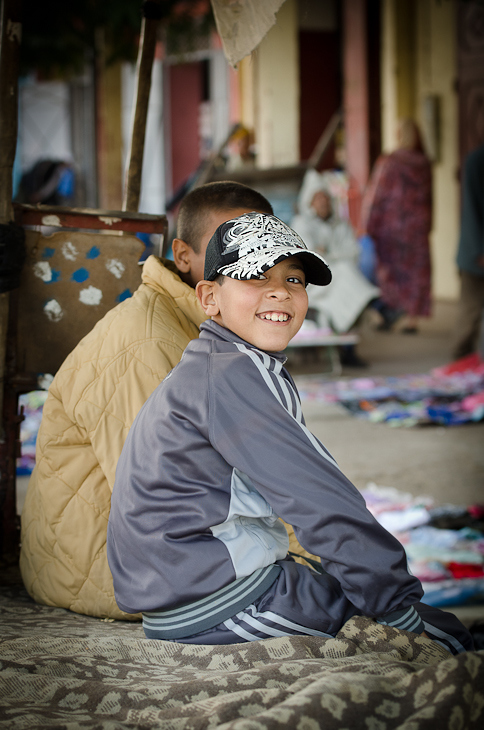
(445, 463)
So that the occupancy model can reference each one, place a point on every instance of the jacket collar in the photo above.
(162, 276)
(213, 331)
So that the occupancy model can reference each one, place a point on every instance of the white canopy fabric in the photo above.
(242, 24)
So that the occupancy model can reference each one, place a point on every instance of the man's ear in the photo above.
(205, 293)
(181, 255)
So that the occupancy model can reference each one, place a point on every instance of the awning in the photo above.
(242, 24)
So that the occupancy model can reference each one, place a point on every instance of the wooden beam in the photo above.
(325, 140)
(144, 67)
(88, 218)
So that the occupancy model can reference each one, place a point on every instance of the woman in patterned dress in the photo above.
(397, 210)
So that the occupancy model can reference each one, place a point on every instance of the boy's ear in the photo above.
(205, 294)
(181, 255)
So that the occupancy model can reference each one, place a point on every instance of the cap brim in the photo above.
(246, 267)
(315, 267)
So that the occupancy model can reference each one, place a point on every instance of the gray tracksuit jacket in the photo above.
(215, 455)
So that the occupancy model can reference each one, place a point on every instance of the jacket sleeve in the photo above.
(109, 406)
(255, 433)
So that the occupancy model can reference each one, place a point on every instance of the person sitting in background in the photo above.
(323, 230)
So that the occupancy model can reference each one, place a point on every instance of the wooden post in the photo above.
(10, 36)
(146, 54)
(11, 31)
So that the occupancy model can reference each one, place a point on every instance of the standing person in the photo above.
(470, 257)
(397, 214)
(93, 401)
(220, 451)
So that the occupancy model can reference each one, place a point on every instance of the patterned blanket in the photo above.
(62, 670)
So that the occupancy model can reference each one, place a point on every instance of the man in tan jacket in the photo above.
(93, 401)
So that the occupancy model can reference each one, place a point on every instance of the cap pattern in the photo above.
(247, 246)
(261, 241)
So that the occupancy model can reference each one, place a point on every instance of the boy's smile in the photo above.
(265, 312)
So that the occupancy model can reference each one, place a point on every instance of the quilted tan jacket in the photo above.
(90, 407)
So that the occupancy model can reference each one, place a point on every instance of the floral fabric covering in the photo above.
(444, 544)
(63, 670)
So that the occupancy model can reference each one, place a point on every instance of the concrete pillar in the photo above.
(355, 92)
(277, 91)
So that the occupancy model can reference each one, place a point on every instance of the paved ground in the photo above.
(445, 463)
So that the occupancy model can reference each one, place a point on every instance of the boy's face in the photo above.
(192, 264)
(266, 312)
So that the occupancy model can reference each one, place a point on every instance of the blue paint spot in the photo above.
(126, 294)
(47, 253)
(56, 275)
(80, 275)
(93, 253)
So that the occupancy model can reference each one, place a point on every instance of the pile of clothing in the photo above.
(450, 395)
(32, 404)
(444, 544)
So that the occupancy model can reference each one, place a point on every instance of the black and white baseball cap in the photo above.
(247, 246)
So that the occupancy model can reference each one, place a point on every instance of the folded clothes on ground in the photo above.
(449, 396)
(32, 404)
(448, 560)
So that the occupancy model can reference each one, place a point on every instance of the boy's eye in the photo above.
(296, 280)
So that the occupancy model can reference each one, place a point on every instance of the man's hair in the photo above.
(212, 198)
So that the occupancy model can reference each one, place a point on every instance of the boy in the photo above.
(93, 401)
(220, 450)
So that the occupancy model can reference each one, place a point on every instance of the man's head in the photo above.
(256, 271)
(201, 212)
(321, 204)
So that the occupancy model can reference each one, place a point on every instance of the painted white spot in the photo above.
(70, 251)
(14, 31)
(44, 381)
(51, 220)
(43, 271)
(53, 310)
(109, 221)
(115, 267)
(91, 295)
